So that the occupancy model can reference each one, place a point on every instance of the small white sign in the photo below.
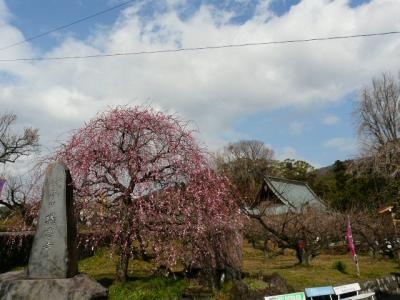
(348, 288)
(294, 296)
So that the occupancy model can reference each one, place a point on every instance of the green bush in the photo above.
(149, 289)
(340, 266)
(256, 284)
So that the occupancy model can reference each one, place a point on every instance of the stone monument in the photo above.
(54, 252)
(52, 272)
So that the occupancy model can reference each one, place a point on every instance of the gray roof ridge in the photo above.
(286, 201)
(286, 180)
(277, 193)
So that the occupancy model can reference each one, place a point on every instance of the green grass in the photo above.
(149, 289)
(256, 284)
(103, 266)
(323, 271)
(144, 285)
(9, 223)
(320, 272)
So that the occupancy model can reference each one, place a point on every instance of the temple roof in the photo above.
(293, 193)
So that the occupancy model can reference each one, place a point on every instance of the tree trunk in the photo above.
(398, 255)
(26, 217)
(303, 256)
(265, 249)
(122, 265)
(142, 255)
(124, 249)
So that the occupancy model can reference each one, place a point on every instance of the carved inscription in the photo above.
(51, 219)
(47, 245)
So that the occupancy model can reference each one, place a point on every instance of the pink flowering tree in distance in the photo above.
(140, 177)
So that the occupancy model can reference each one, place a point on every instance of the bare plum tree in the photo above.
(246, 163)
(307, 231)
(13, 146)
(378, 112)
(378, 119)
(21, 192)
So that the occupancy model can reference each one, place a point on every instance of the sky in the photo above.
(296, 98)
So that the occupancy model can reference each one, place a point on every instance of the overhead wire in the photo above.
(202, 48)
(62, 27)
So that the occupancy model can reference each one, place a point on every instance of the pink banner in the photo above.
(352, 248)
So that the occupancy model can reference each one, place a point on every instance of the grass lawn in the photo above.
(6, 224)
(321, 271)
(145, 286)
(142, 284)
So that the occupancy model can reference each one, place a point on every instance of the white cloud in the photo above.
(287, 153)
(345, 145)
(214, 88)
(296, 127)
(331, 120)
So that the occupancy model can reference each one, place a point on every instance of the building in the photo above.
(279, 195)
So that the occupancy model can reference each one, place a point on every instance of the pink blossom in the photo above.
(140, 177)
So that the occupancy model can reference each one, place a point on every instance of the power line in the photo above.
(204, 47)
(34, 37)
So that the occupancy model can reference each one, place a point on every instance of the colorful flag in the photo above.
(352, 248)
(2, 182)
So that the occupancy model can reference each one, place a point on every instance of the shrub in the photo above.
(340, 266)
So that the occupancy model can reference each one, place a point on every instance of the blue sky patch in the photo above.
(355, 3)
(34, 18)
(305, 130)
(7, 78)
(281, 7)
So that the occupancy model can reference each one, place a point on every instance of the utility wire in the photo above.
(204, 47)
(34, 37)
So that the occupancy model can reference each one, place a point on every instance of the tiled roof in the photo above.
(295, 194)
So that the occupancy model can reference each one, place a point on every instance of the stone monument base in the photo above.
(16, 285)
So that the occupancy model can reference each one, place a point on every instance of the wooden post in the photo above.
(357, 265)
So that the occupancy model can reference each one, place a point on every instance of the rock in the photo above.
(54, 251)
(15, 285)
(277, 285)
(387, 288)
(241, 291)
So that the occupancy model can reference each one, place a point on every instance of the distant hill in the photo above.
(324, 171)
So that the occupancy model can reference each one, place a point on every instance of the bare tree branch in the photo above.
(13, 146)
(378, 112)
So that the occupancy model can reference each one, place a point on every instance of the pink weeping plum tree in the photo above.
(140, 177)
